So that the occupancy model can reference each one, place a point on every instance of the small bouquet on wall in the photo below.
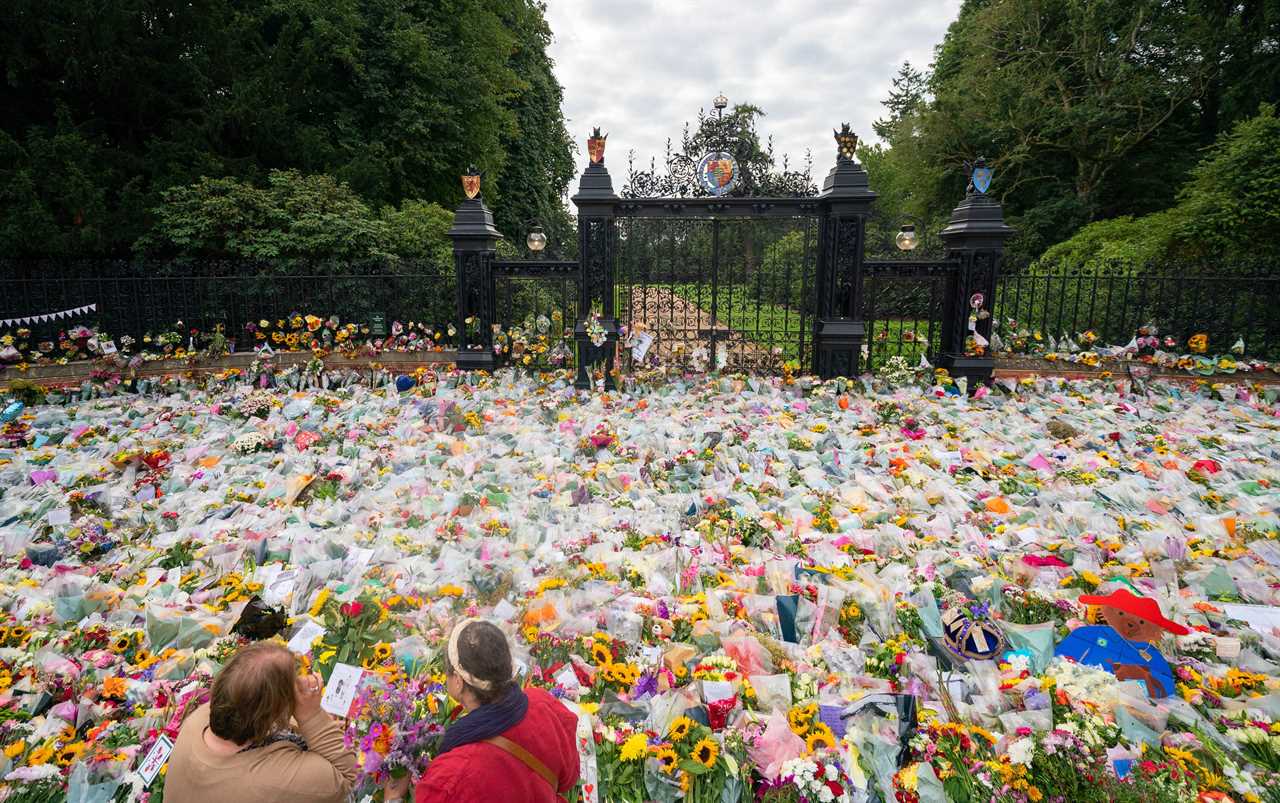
(397, 728)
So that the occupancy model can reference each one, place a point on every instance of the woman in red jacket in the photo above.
(514, 745)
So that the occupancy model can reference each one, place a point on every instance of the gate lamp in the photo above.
(906, 238)
(536, 240)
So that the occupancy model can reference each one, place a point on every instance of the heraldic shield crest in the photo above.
(471, 183)
(718, 173)
(980, 175)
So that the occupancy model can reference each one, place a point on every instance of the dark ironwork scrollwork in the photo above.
(757, 175)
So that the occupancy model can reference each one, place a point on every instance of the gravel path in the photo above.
(679, 325)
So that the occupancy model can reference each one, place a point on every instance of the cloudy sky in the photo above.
(640, 68)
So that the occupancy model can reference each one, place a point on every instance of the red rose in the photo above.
(351, 609)
(1114, 436)
(1207, 466)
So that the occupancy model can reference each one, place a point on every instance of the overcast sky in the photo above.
(640, 68)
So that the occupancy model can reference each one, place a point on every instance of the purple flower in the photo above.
(646, 685)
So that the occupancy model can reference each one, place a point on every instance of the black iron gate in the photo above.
(736, 291)
(903, 304)
(743, 276)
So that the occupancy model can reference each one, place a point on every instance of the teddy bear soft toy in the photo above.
(1124, 645)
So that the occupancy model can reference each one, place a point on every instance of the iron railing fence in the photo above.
(1226, 306)
(139, 298)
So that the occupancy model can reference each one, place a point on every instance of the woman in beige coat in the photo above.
(236, 746)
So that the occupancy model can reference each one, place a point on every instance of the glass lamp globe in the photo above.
(536, 240)
(906, 238)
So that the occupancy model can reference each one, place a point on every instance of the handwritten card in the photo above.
(340, 694)
(640, 345)
(155, 759)
(60, 515)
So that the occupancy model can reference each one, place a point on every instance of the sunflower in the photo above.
(666, 756)
(799, 721)
(706, 752)
(679, 729)
(686, 782)
(820, 736)
(18, 633)
(40, 755)
(70, 753)
(382, 651)
(141, 656)
(600, 654)
(121, 644)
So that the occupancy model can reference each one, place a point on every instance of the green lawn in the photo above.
(768, 324)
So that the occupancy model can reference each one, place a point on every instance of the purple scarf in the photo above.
(487, 721)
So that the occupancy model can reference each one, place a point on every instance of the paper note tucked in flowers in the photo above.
(341, 690)
(156, 757)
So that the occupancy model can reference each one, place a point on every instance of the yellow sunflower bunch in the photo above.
(125, 641)
(802, 718)
(14, 635)
(378, 657)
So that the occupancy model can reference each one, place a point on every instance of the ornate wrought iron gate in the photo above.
(737, 267)
(714, 287)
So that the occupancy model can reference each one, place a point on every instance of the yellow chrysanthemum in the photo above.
(634, 748)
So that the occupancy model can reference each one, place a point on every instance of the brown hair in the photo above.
(253, 695)
(484, 652)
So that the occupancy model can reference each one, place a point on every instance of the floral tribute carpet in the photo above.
(748, 589)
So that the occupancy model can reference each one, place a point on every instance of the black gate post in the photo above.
(475, 242)
(975, 242)
(597, 232)
(843, 207)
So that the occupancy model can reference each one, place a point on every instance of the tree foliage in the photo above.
(110, 105)
(1227, 213)
(1087, 109)
(293, 217)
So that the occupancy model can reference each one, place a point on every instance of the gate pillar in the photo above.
(475, 242)
(843, 206)
(597, 235)
(975, 243)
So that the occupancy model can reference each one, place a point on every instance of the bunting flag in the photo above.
(49, 316)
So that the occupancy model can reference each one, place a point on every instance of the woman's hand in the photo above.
(307, 691)
(396, 789)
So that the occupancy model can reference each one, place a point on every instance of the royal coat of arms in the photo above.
(718, 173)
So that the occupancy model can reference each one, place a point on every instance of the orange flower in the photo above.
(114, 688)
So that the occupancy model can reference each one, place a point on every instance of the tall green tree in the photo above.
(539, 149)
(393, 97)
(1089, 109)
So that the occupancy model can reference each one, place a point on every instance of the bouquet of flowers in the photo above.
(397, 728)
